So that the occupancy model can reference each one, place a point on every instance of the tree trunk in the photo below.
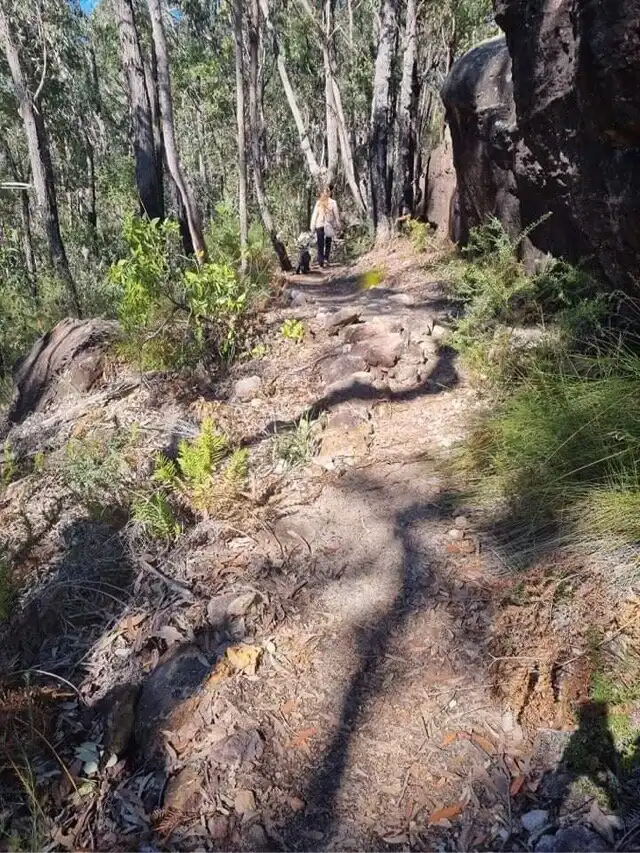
(255, 132)
(346, 150)
(242, 156)
(402, 196)
(168, 130)
(328, 51)
(92, 211)
(148, 180)
(40, 159)
(379, 130)
(312, 164)
(27, 244)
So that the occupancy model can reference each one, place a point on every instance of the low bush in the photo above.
(172, 311)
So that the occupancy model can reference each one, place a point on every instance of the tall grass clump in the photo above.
(563, 451)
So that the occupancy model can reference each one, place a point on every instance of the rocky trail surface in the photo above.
(322, 667)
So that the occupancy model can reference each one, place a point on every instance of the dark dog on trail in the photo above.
(304, 261)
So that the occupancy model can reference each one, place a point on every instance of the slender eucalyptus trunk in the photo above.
(92, 210)
(242, 155)
(314, 167)
(380, 208)
(148, 178)
(257, 137)
(328, 51)
(42, 174)
(402, 194)
(168, 130)
(27, 244)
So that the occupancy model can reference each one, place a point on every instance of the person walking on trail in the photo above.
(325, 221)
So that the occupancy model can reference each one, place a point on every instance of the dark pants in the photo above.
(324, 246)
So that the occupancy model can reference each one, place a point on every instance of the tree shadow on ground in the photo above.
(595, 766)
(443, 376)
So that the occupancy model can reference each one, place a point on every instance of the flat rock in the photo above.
(332, 323)
(350, 385)
(346, 442)
(177, 677)
(184, 791)
(381, 350)
(342, 367)
(245, 389)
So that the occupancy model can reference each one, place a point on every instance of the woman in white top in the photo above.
(325, 221)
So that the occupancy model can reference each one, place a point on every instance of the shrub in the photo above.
(292, 330)
(223, 243)
(172, 311)
(420, 234)
(96, 469)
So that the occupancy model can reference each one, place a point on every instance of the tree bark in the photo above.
(148, 177)
(40, 158)
(257, 137)
(242, 156)
(168, 130)
(403, 196)
(314, 167)
(346, 150)
(9, 165)
(328, 51)
(379, 129)
(92, 210)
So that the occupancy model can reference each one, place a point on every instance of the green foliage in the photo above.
(197, 459)
(420, 234)
(155, 516)
(172, 311)
(292, 330)
(297, 446)
(206, 472)
(223, 243)
(96, 470)
(564, 449)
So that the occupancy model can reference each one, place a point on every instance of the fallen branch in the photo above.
(177, 587)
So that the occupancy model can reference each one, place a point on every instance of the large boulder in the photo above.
(68, 358)
(478, 97)
(441, 187)
(554, 127)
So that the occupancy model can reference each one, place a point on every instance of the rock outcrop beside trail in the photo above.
(554, 126)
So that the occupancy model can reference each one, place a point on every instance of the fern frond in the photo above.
(165, 471)
(155, 515)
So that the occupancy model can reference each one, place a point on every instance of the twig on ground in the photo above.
(176, 586)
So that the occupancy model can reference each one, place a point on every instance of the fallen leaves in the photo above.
(301, 738)
(483, 742)
(445, 813)
(516, 785)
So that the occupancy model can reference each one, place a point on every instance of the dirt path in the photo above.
(317, 674)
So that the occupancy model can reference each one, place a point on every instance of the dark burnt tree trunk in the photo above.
(403, 194)
(143, 138)
(168, 130)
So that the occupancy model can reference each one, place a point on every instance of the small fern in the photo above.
(198, 458)
(236, 471)
(165, 471)
(154, 514)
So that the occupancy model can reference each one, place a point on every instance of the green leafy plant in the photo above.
(96, 470)
(155, 516)
(297, 446)
(292, 330)
(420, 234)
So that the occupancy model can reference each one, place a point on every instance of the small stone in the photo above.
(461, 522)
(579, 839)
(257, 837)
(456, 534)
(534, 820)
(244, 802)
(332, 323)
(341, 367)
(546, 844)
(382, 350)
(184, 791)
(439, 333)
(296, 804)
(247, 388)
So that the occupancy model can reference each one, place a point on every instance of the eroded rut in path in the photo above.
(317, 674)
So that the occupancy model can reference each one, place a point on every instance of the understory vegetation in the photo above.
(561, 449)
